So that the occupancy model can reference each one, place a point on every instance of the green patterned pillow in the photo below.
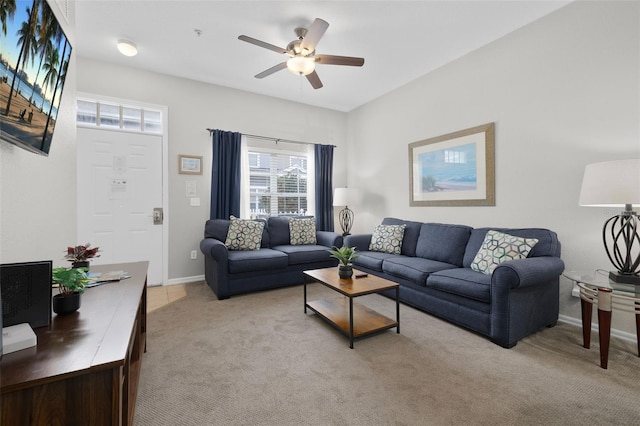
(244, 234)
(302, 231)
(498, 247)
(387, 238)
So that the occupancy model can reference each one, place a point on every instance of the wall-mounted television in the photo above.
(34, 56)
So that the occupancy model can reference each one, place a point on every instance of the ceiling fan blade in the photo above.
(339, 60)
(314, 34)
(262, 44)
(314, 80)
(272, 70)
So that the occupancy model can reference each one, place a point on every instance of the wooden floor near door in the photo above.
(161, 295)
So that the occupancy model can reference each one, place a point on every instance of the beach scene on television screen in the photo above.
(34, 56)
(450, 169)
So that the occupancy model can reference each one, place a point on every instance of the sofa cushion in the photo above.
(244, 234)
(256, 260)
(411, 233)
(548, 244)
(415, 269)
(302, 231)
(499, 247)
(445, 243)
(218, 229)
(371, 259)
(387, 238)
(308, 253)
(278, 227)
(462, 282)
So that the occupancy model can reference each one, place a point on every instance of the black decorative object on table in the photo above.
(617, 184)
(341, 197)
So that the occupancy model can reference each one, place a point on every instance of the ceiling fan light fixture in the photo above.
(301, 65)
(127, 48)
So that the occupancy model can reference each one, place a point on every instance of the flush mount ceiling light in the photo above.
(127, 48)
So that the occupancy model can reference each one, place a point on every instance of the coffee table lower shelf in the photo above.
(365, 320)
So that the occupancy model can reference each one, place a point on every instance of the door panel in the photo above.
(119, 185)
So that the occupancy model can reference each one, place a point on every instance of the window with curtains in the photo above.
(277, 182)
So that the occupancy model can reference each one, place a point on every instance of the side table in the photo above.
(596, 288)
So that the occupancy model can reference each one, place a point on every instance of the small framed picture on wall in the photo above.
(189, 165)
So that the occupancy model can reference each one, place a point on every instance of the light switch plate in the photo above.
(195, 201)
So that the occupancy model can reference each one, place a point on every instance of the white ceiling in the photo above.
(400, 40)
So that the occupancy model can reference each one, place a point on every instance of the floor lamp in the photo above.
(341, 197)
(617, 184)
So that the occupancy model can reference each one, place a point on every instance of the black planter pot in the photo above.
(63, 305)
(81, 264)
(345, 271)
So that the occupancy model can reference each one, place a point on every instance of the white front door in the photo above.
(119, 186)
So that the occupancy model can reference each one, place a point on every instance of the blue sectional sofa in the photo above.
(434, 271)
(277, 263)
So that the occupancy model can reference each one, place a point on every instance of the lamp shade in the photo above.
(341, 197)
(611, 184)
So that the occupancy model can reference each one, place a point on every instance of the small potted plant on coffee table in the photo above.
(79, 256)
(71, 284)
(345, 256)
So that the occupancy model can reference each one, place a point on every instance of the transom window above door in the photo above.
(95, 113)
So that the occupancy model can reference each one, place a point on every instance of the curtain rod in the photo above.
(276, 140)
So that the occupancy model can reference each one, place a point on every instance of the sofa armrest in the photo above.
(527, 272)
(215, 249)
(359, 241)
(216, 268)
(328, 238)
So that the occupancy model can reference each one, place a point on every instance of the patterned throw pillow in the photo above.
(387, 238)
(498, 247)
(244, 234)
(302, 231)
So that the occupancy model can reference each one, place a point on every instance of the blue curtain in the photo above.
(225, 175)
(324, 185)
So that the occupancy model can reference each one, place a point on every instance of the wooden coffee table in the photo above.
(352, 319)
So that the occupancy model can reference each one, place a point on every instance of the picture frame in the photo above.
(189, 164)
(456, 169)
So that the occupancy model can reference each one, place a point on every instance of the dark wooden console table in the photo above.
(85, 367)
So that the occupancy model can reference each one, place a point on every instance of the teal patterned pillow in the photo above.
(244, 234)
(302, 231)
(387, 238)
(498, 247)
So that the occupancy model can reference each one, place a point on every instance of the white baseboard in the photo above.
(594, 327)
(184, 280)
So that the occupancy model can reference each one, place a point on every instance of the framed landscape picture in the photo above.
(456, 169)
(189, 165)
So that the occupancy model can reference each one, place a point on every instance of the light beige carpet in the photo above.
(259, 360)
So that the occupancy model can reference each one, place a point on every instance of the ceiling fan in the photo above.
(302, 53)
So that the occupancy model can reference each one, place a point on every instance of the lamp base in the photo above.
(617, 277)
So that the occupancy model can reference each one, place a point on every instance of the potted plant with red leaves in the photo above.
(79, 256)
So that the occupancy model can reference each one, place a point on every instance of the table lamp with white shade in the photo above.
(617, 184)
(341, 197)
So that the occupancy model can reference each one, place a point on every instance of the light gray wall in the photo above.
(37, 193)
(194, 107)
(563, 92)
